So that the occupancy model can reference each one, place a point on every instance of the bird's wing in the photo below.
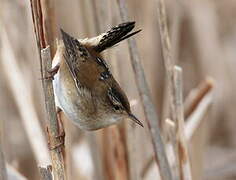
(75, 53)
(118, 98)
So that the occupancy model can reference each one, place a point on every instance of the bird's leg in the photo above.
(53, 71)
(61, 133)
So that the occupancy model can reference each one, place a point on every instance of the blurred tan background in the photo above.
(203, 37)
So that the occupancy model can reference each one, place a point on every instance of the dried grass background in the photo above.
(203, 38)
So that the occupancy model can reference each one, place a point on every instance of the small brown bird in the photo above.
(84, 87)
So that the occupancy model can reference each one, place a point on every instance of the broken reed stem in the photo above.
(192, 123)
(181, 144)
(49, 24)
(196, 95)
(44, 20)
(148, 106)
(195, 119)
(51, 121)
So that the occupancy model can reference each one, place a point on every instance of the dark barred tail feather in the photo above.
(116, 35)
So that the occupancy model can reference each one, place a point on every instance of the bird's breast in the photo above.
(80, 106)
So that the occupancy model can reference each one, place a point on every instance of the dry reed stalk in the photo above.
(49, 24)
(196, 106)
(191, 125)
(68, 159)
(44, 24)
(171, 94)
(166, 51)
(115, 154)
(148, 106)
(181, 144)
(197, 116)
(196, 95)
(177, 17)
(56, 153)
(23, 97)
(43, 15)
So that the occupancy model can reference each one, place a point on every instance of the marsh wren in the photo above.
(84, 87)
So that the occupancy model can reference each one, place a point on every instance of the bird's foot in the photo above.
(52, 72)
(61, 133)
(60, 144)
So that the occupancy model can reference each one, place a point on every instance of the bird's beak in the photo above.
(132, 117)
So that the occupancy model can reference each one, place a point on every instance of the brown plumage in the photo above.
(84, 86)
